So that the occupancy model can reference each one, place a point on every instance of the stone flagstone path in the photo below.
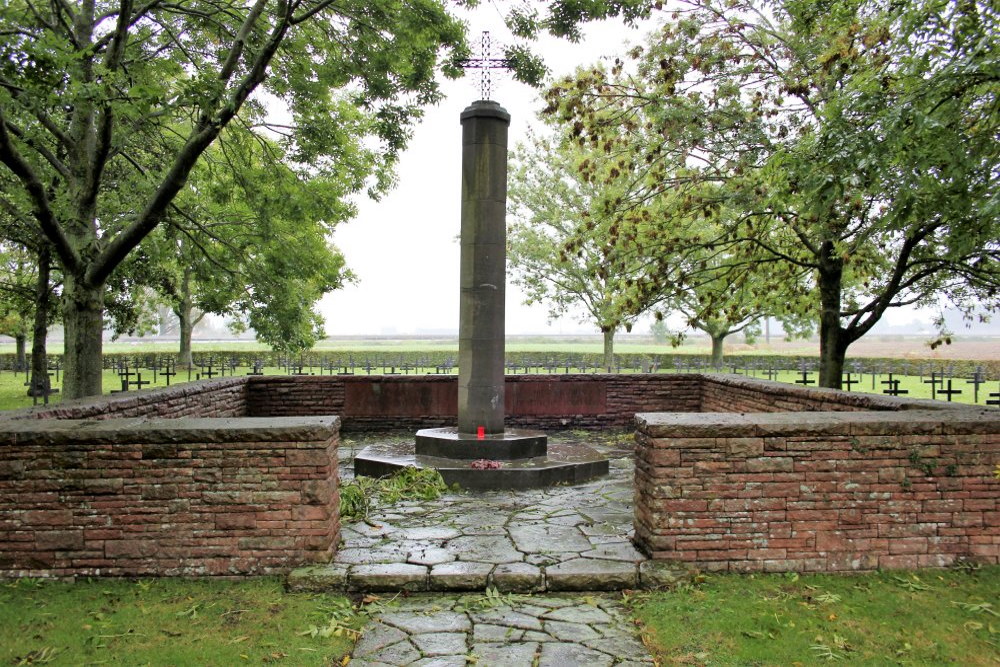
(498, 578)
(563, 538)
(569, 630)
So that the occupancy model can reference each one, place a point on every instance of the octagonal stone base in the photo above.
(511, 444)
(563, 464)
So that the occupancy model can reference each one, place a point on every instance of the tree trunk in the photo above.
(40, 327)
(185, 317)
(609, 349)
(184, 358)
(84, 325)
(832, 337)
(717, 349)
(21, 353)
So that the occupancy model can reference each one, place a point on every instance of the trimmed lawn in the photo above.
(932, 617)
(171, 622)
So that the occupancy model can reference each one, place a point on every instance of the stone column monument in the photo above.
(483, 269)
(480, 452)
(482, 281)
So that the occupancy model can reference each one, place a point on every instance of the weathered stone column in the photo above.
(484, 264)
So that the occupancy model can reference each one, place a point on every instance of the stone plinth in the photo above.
(511, 444)
(562, 464)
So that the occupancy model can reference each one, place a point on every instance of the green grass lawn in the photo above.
(934, 617)
(171, 622)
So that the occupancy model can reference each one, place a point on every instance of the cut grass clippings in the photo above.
(362, 494)
(932, 617)
(171, 622)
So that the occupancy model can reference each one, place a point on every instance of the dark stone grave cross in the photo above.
(934, 381)
(977, 379)
(848, 381)
(391, 366)
(153, 364)
(41, 386)
(770, 372)
(169, 370)
(124, 374)
(208, 370)
(994, 398)
(949, 392)
(348, 368)
(893, 387)
(875, 370)
(138, 383)
(257, 368)
(804, 374)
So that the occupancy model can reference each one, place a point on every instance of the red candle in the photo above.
(481, 433)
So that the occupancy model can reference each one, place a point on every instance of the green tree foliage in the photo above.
(17, 297)
(247, 239)
(550, 206)
(855, 139)
(26, 286)
(105, 108)
(107, 105)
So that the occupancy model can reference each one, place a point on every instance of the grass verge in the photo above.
(171, 622)
(934, 617)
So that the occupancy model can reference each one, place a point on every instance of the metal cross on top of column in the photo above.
(485, 63)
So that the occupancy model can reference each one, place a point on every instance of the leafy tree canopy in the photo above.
(855, 140)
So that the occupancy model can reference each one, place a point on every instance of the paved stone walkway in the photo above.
(563, 538)
(502, 563)
(501, 631)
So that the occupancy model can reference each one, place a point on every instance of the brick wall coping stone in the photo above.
(292, 431)
(825, 394)
(763, 424)
(100, 406)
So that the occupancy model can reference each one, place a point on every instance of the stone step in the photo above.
(576, 575)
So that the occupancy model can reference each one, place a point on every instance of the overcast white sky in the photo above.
(404, 248)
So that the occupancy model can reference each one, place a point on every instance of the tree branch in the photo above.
(10, 156)
(207, 130)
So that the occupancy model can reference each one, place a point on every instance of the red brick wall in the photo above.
(421, 401)
(167, 497)
(225, 397)
(819, 491)
(736, 393)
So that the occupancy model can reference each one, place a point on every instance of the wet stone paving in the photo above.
(543, 630)
(538, 557)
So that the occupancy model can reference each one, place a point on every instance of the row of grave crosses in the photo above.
(130, 373)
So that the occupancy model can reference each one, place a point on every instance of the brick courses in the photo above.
(131, 497)
(837, 481)
(814, 491)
